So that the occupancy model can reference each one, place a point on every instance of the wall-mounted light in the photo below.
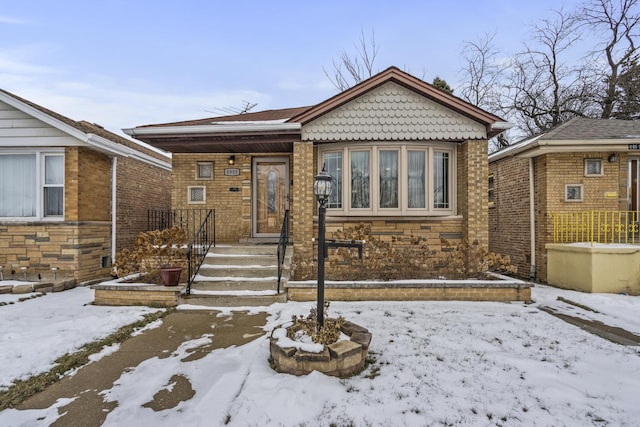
(232, 160)
(613, 157)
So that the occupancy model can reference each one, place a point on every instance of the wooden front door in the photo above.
(270, 195)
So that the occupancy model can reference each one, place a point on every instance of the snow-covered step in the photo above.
(239, 275)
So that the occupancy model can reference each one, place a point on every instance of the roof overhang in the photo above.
(274, 137)
(536, 146)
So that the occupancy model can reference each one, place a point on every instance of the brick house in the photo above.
(59, 179)
(574, 183)
(407, 159)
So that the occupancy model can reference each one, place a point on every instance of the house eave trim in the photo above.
(113, 148)
(212, 129)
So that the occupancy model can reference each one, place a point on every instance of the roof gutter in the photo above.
(111, 147)
(212, 128)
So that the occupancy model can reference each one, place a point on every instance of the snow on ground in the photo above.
(37, 331)
(436, 363)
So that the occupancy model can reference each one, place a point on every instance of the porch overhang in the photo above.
(233, 138)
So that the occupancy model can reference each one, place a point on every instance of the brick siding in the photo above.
(509, 218)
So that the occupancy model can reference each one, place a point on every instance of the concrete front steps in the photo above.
(239, 275)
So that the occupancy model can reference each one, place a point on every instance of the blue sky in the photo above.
(124, 63)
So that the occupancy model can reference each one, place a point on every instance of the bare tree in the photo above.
(349, 70)
(482, 73)
(544, 89)
(618, 21)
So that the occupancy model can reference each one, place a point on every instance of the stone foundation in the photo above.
(341, 359)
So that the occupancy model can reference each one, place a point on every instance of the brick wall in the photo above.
(233, 217)
(509, 219)
(509, 222)
(442, 293)
(303, 202)
(140, 186)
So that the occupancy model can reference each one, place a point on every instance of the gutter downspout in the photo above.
(532, 216)
(114, 186)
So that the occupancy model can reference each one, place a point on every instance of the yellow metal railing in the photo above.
(596, 227)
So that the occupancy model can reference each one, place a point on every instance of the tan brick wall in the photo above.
(472, 173)
(87, 185)
(303, 201)
(509, 222)
(140, 186)
(75, 248)
(157, 297)
(509, 218)
(412, 294)
(233, 208)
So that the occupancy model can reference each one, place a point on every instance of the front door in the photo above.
(270, 195)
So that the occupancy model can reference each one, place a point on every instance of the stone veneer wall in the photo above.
(75, 248)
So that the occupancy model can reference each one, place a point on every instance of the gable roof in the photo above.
(275, 130)
(494, 124)
(577, 134)
(92, 134)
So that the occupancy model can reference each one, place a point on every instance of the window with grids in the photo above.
(32, 185)
(390, 180)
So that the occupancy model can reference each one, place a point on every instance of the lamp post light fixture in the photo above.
(322, 188)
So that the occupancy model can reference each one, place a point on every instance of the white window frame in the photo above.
(204, 178)
(491, 187)
(189, 194)
(40, 182)
(566, 193)
(403, 202)
(43, 184)
(586, 167)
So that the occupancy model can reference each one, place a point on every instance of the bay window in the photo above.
(32, 185)
(398, 179)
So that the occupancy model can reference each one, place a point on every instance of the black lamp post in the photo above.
(322, 188)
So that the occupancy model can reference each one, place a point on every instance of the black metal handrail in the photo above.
(282, 245)
(187, 219)
(204, 238)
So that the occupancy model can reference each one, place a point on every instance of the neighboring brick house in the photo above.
(582, 167)
(408, 159)
(71, 193)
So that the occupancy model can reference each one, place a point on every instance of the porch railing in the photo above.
(282, 245)
(204, 238)
(596, 227)
(199, 226)
(187, 219)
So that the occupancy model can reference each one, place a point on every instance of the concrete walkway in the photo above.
(89, 408)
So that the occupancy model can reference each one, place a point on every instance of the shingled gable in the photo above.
(494, 124)
(90, 133)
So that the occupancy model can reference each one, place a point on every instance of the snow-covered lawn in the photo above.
(434, 363)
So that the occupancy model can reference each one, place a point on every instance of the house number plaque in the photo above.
(232, 172)
(634, 146)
